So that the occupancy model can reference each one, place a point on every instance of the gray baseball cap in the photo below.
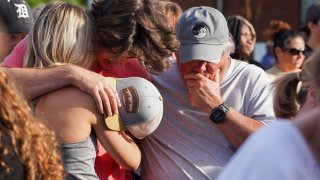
(142, 107)
(203, 33)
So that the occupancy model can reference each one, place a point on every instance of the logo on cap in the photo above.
(199, 31)
(130, 99)
(22, 11)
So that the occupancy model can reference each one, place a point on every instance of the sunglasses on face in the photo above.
(294, 51)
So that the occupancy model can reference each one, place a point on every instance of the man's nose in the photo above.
(201, 67)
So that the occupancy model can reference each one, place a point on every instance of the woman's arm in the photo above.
(119, 145)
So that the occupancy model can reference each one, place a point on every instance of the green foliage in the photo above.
(34, 3)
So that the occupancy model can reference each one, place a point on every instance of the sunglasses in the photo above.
(294, 51)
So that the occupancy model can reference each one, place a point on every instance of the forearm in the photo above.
(238, 127)
(121, 148)
(35, 82)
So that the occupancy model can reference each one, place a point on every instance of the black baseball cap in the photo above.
(16, 15)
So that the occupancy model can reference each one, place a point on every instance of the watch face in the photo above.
(219, 114)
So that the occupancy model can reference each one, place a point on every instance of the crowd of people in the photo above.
(140, 89)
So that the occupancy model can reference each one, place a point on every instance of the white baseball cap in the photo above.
(142, 107)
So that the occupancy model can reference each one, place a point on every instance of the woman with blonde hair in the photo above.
(68, 39)
(297, 91)
(28, 150)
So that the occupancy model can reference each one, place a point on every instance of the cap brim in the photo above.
(205, 52)
(19, 28)
(114, 122)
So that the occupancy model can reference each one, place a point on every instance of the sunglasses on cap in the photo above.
(294, 51)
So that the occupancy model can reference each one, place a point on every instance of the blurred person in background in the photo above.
(268, 60)
(18, 19)
(295, 92)
(244, 36)
(37, 10)
(173, 12)
(289, 49)
(171, 9)
(312, 28)
(285, 150)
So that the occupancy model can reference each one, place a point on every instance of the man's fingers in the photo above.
(113, 99)
(106, 103)
(98, 101)
(193, 76)
(190, 83)
(116, 96)
(217, 77)
(118, 99)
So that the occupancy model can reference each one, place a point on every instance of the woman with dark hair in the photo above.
(268, 59)
(289, 48)
(244, 36)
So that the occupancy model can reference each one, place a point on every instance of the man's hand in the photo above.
(202, 92)
(97, 86)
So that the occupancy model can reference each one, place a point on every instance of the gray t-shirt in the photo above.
(78, 159)
(187, 145)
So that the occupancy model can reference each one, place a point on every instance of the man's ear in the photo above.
(312, 96)
(225, 55)
(310, 25)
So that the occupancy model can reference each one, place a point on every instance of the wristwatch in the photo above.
(219, 113)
